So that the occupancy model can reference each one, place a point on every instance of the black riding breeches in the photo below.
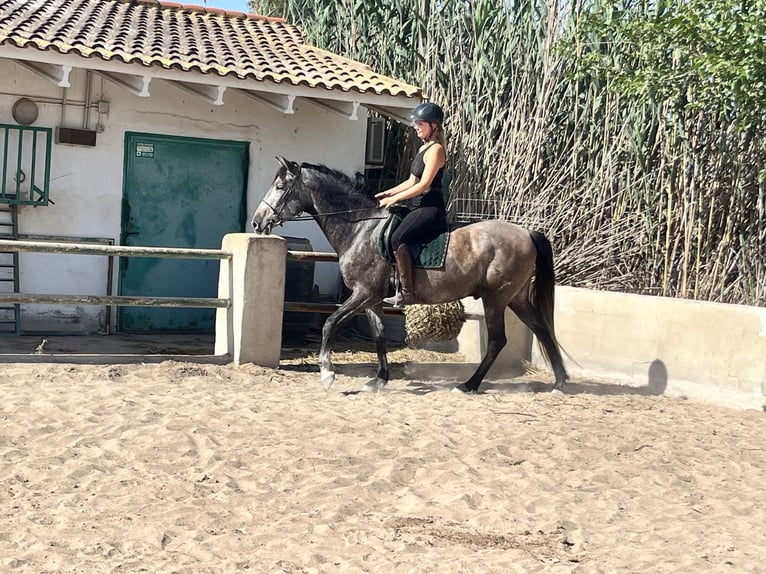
(419, 226)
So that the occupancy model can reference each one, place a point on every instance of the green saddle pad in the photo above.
(432, 254)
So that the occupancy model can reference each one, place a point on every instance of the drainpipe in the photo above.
(63, 106)
(86, 118)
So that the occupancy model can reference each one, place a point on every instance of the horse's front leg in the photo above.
(330, 328)
(375, 318)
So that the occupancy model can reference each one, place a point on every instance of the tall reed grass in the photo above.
(635, 195)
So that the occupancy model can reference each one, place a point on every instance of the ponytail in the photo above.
(439, 136)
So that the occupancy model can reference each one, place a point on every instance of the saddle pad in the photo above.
(428, 256)
(433, 253)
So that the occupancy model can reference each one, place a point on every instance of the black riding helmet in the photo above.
(428, 112)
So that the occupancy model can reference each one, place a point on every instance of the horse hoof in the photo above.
(374, 386)
(328, 379)
(463, 390)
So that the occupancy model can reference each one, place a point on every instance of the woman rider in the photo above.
(422, 192)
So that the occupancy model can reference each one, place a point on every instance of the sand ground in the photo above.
(186, 465)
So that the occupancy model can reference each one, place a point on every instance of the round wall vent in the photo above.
(24, 111)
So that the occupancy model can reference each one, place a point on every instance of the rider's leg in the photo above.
(418, 226)
(404, 265)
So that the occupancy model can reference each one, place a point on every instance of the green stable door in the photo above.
(177, 192)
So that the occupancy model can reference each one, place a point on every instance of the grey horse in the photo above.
(502, 263)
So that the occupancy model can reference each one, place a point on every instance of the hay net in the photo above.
(441, 322)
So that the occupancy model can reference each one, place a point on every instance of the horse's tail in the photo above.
(543, 292)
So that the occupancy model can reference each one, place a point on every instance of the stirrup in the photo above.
(397, 300)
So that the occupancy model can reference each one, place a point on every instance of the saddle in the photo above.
(429, 255)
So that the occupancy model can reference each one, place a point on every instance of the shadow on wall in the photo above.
(658, 377)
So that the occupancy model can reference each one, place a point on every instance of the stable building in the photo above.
(136, 122)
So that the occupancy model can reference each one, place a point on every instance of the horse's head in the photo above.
(282, 201)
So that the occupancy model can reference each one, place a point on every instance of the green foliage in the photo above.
(699, 55)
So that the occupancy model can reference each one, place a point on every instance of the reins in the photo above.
(344, 212)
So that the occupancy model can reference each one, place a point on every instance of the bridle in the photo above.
(282, 201)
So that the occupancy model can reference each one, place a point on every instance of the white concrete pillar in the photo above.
(472, 339)
(250, 330)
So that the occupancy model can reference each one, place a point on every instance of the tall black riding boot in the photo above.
(404, 265)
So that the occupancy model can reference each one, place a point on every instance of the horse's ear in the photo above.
(290, 166)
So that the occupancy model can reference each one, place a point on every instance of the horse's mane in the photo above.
(336, 185)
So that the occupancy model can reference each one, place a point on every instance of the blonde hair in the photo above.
(438, 135)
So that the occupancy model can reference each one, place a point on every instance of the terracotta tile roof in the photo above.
(190, 38)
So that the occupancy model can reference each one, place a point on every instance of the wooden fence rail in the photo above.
(113, 300)
(111, 250)
(139, 251)
(124, 250)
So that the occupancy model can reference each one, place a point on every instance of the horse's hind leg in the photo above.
(376, 328)
(530, 316)
(494, 316)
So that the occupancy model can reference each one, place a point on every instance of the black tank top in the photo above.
(432, 197)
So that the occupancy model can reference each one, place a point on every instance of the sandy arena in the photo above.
(191, 467)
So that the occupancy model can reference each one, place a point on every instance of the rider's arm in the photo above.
(406, 184)
(434, 159)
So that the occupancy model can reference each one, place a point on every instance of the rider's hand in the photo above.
(387, 201)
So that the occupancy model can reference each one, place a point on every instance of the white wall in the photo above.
(655, 345)
(86, 183)
(661, 344)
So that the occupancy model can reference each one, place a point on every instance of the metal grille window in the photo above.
(25, 164)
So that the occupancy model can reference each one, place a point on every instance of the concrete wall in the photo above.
(709, 351)
(86, 183)
(245, 330)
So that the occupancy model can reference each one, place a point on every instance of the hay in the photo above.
(441, 322)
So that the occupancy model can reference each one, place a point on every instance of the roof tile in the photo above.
(189, 38)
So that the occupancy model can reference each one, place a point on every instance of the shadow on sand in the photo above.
(417, 383)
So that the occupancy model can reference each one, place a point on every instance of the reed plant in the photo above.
(579, 119)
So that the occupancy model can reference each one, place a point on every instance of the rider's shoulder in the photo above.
(434, 150)
(431, 146)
